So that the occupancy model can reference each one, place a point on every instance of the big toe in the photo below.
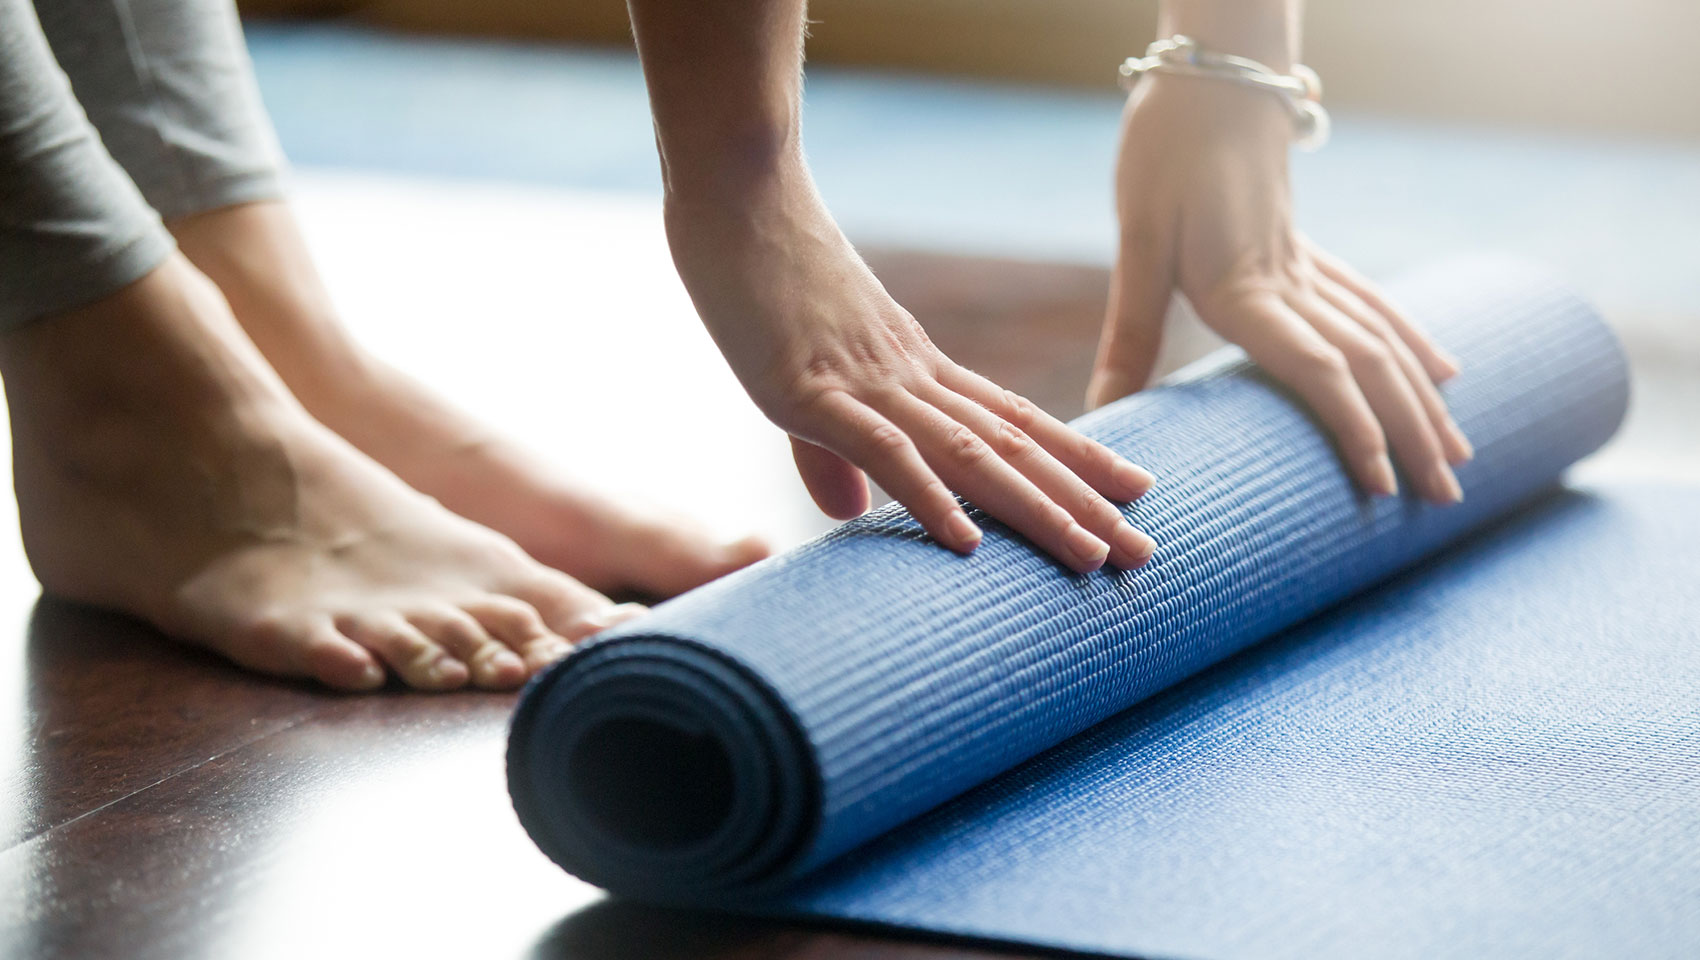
(301, 646)
(668, 559)
(339, 662)
(599, 620)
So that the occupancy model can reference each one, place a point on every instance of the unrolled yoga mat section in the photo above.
(725, 748)
(1496, 755)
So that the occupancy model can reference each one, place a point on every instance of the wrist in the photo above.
(732, 208)
(732, 167)
(1263, 30)
(1243, 121)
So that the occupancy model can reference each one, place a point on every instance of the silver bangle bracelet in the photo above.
(1300, 91)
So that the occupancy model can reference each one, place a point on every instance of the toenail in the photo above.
(506, 660)
(447, 671)
(600, 620)
(549, 652)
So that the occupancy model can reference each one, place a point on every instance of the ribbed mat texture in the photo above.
(727, 746)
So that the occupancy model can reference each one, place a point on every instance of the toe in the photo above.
(740, 554)
(336, 661)
(520, 626)
(419, 662)
(301, 645)
(493, 665)
(670, 558)
(599, 620)
(559, 599)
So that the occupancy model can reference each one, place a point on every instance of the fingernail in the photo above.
(1447, 483)
(964, 532)
(1466, 451)
(1381, 481)
(1086, 548)
(1132, 480)
(1449, 365)
(1135, 544)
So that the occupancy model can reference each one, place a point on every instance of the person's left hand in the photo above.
(1204, 205)
(833, 360)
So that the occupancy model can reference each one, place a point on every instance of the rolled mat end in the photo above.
(653, 765)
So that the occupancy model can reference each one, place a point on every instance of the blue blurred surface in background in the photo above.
(975, 168)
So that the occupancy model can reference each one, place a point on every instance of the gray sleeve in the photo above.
(170, 87)
(73, 227)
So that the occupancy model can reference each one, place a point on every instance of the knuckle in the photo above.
(410, 644)
(897, 342)
(1367, 440)
(820, 369)
(1013, 443)
(499, 610)
(1373, 358)
(1322, 361)
(907, 331)
(966, 446)
(1372, 321)
(462, 629)
(1297, 273)
(1056, 518)
(870, 354)
(886, 440)
(1091, 505)
(1094, 454)
(527, 618)
(934, 491)
(1019, 410)
(811, 396)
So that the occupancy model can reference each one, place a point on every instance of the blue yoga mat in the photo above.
(1457, 730)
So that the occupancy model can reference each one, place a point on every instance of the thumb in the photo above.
(1140, 288)
(838, 487)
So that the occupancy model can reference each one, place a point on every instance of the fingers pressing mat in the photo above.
(1315, 725)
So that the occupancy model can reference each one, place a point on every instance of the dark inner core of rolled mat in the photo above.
(650, 783)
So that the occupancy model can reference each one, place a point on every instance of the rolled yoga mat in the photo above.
(1492, 752)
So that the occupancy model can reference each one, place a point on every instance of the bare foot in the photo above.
(163, 470)
(256, 256)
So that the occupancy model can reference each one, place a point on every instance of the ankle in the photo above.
(144, 405)
(257, 257)
(164, 349)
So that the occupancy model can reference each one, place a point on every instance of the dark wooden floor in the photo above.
(156, 803)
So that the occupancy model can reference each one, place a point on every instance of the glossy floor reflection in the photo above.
(155, 803)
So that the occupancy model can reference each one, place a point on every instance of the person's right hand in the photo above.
(829, 356)
(1206, 212)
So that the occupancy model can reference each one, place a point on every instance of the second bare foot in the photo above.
(164, 471)
(256, 256)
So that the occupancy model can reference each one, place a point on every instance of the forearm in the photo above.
(1264, 30)
(725, 87)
